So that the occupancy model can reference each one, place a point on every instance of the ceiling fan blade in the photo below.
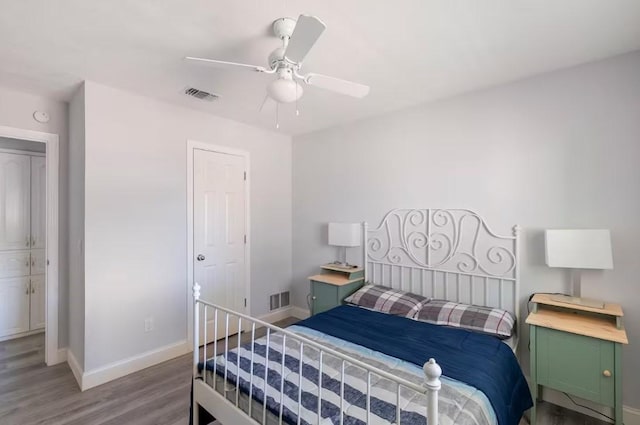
(224, 64)
(337, 85)
(307, 31)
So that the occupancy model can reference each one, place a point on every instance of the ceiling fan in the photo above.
(298, 37)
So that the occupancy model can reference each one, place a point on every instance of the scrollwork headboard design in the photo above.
(444, 253)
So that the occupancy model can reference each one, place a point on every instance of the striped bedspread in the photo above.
(459, 403)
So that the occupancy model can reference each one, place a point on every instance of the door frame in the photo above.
(51, 349)
(192, 146)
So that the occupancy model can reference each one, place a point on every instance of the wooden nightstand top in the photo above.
(333, 279)
(341, 269)
(609, 308)
(592, 322)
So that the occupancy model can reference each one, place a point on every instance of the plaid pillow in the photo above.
(492, 321)
(387, 300)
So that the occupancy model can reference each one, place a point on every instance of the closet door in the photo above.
(15, 189)
(15, 263)
(38, 298)
(38, 202)
(14, 305)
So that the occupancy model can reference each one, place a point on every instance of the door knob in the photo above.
(606, 373)
(200, 257)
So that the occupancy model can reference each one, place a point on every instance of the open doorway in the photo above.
(29, 239)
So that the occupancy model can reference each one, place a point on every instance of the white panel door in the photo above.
(219, 233)
(38, 202)
(14, 305)
(38, 298)
(15, 189)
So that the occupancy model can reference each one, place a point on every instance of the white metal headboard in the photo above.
(448, 254)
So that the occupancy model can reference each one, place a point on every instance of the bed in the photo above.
(335, 368)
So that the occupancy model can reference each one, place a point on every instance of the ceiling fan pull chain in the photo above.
(297, 110)
(277, 115)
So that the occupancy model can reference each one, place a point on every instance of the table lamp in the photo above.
(344, 235)
(578, 249)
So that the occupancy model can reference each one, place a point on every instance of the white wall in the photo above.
(135, 218)
(76, 225)
(559, 150)
(16, 110)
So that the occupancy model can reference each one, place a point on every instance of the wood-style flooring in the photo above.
(31, 393)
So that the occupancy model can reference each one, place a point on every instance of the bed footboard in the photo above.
(217, 390)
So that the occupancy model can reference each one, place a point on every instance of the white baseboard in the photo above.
(283, 313)
(630, 416)
(61, 356)
(75, 367)
(300, 313)
(277, 315)
(133, 364)
(21, 335)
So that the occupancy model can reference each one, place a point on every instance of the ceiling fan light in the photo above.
(284, 90)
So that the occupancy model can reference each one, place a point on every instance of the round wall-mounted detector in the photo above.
(41, 116)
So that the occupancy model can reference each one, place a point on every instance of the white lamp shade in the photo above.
(578, 248)
(344, 234)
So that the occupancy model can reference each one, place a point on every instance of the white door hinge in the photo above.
(245, 238)
(245, 302)
(245, 175)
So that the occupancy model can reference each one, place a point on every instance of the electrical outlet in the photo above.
(274, 301)
(284, 299)
(148, 324)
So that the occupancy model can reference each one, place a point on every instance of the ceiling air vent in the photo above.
(200, 94)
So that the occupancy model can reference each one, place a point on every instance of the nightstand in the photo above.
(332, 286)
(577, 350)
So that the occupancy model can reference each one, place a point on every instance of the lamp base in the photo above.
(585, 302)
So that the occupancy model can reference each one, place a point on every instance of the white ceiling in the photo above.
(408, 51)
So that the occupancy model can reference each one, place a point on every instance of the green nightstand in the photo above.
(332, 286)
(577, 350)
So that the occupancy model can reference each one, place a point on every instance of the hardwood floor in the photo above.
(550, 414)
(31, 393)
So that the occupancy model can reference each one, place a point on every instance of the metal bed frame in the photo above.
(439, 253)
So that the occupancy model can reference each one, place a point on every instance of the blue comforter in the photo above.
(478, 360)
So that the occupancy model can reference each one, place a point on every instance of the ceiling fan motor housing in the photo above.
(276, 57)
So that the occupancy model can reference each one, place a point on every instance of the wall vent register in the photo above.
(200, 94)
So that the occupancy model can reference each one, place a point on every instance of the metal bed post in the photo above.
(196, 348)
(432, 372)
(365, 251)
(516, 274)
